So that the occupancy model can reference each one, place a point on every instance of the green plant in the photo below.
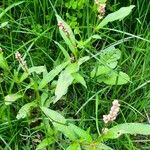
(49, 87)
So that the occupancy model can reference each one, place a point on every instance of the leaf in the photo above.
(52, 74)
(118, 15)
(79, 79)
(102, 146)
(54, 116)
(72, 68)
(63, 50)
(95, 36)
(36, 69)
(96, 146)
(3, 63)
(100, 70)
(74, 146)
(70, 40)
(3, 24)
(64, 81)
(110, 57)
(9, 7)
(44, 97)
(115, 78)
(83, 59)
(68, 132)
(59, 122)
(108, 61)
(45, 142)
(9, 99)
(80, 132)
(25, 110)
(127, 128)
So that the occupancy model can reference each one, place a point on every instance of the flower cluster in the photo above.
(63, 28)
(21, 61)
(101, 8)
(113, 112)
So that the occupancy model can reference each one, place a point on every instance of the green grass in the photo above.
(32, 30)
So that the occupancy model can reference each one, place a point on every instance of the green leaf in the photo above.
(118, 15)
(65, 78)
(44, 143)
(9, 7)
(79, 79)
(100, 70)
(54, 116)
(36, 69)
(9, 99)
(74, 146)
(80, 132)
(127, 128)
(70, 40)
(115, 78)
(83, 59)
(3, 63)
(102, 146)
(110, 57)
(96, 146)
(66, 130)
(3, 24)
(63, 50)
(64, 81)
(72, 68)
(59, 122)
(44, 97)
(95, 36)
(52, 74)
(25, 110)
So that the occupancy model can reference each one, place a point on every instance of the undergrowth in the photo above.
(74, 74)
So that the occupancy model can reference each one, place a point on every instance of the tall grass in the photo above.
(32, 30)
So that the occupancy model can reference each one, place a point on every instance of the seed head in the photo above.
(63, 28)
(113, 112)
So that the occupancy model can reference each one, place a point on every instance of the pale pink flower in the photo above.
(21, 61)
(113, 112)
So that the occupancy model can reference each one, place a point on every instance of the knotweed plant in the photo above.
(51, 87)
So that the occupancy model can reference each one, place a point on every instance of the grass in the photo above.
(32, 30)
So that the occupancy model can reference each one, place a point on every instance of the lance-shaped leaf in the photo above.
(64, 81)
(3, 24)
(54, 116)
(80, 133)
(25, 110)
(63, 50)
(118, 15)
(67, 35)
(127, 128)
(36, 69)
(9, 99)
(52, 74)
(79, 79)
(74, 146)
(59, 122)
(45, 142)
(3, 62)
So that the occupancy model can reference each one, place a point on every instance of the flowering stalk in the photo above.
(101, 8)
(63, 28)
(21, 61)
(113, 112)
